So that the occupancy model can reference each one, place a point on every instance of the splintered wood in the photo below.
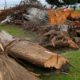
(36, 54)
(57, 39)
(11, 70)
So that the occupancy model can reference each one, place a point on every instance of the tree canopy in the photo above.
(57, 2)
(78, 1)
(70, 1)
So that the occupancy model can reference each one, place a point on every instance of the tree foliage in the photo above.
(56, 2)
(70, 1)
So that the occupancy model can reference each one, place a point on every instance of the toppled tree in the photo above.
(32, 52)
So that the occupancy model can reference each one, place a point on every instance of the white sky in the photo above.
(10, 1)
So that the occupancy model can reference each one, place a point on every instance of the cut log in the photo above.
(36, 54)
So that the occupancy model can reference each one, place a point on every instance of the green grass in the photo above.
(78, 10)
(74, 73)
(18, 32)
(13, 30)
(73, 56)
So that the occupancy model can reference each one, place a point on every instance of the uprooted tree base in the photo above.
(62, 35)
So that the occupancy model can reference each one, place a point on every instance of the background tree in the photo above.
(70, 1)
(54, 2)
(57, 2)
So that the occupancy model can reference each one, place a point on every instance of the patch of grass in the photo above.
(74, 73)
(13, 30)
(18, 32)
(78, 10)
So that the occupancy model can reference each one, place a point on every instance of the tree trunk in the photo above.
(32, 53)
(35, 54)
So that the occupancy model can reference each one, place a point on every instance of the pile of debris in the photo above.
(58, 28)
(57, 36)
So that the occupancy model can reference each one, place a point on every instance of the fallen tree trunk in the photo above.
(34, 53)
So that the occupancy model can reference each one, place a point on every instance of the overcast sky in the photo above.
(10, 1)
(42, 1)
